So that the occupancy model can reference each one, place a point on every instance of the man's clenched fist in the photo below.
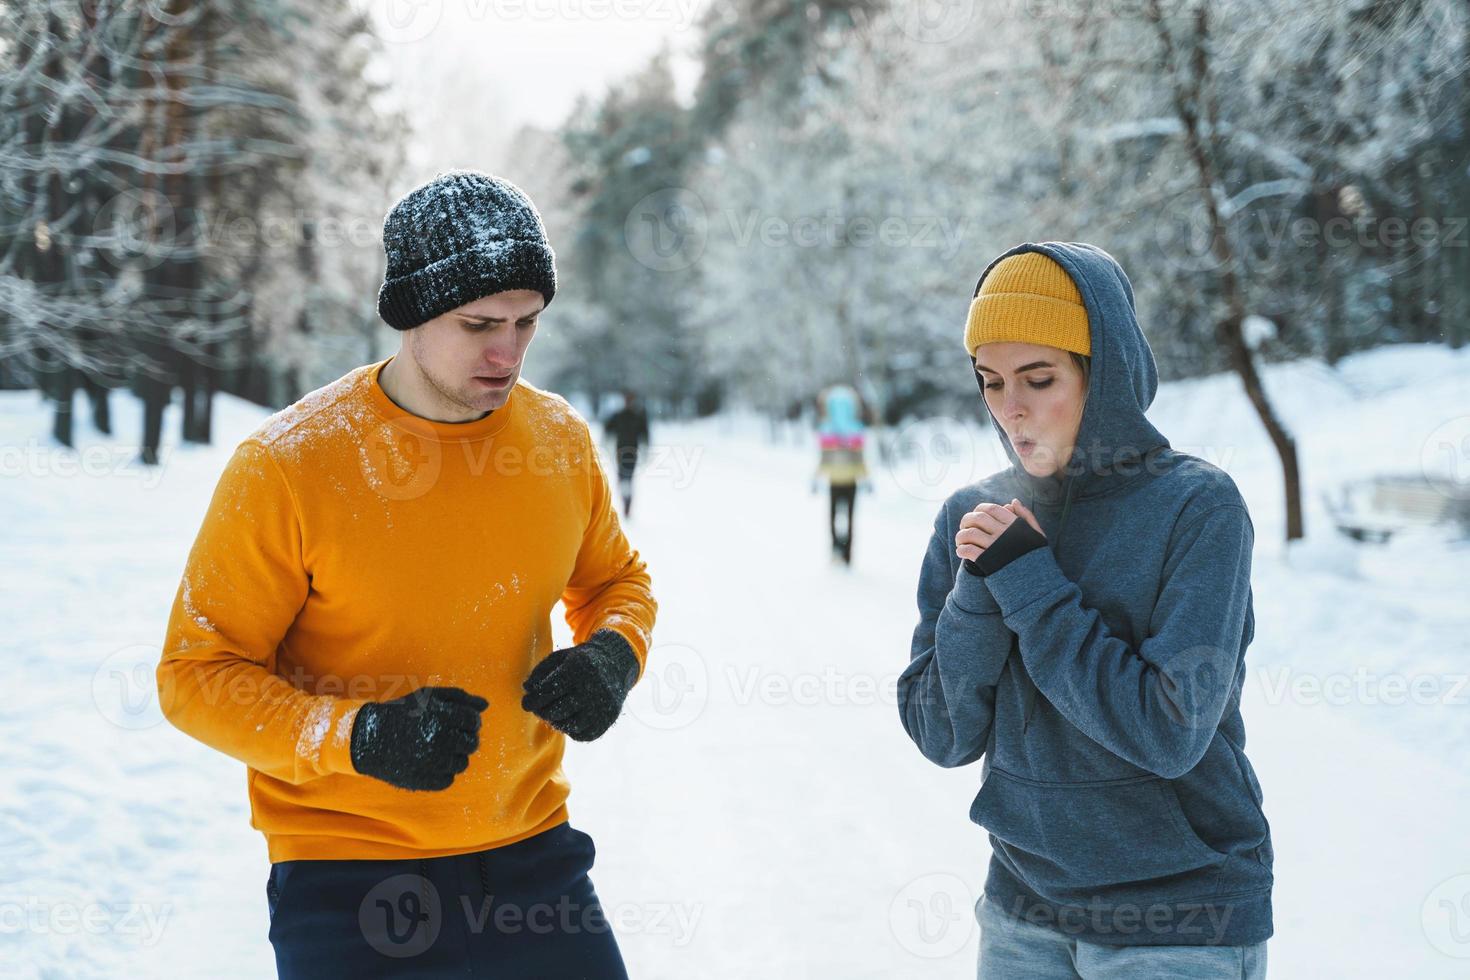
(419, 741)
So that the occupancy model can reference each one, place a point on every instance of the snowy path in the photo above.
(760, 812)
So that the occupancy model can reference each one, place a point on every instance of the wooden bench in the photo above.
(1376, 508)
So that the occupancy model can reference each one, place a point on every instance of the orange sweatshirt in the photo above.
(354, 552)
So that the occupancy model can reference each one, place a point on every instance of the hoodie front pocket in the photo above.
(1068, 839)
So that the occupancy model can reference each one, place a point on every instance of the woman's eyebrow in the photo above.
(1025, 367)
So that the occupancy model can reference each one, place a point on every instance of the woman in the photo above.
(840, 436)
(1084, 616)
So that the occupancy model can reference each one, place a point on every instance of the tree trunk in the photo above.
(63, 390)
(1189, 104)
(98, 393)
(155, 400)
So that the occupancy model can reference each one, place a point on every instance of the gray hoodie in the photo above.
(1099, 677)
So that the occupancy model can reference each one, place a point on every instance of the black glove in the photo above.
(580, 690)
(419, 741)
(1017, 539)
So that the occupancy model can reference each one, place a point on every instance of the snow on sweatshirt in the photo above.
(354, 552)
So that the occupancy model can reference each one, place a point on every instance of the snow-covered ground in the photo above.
(760, 811)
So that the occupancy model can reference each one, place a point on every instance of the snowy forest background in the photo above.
(191, 193)
(786, 195)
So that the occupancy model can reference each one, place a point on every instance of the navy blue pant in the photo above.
(843, 495)
(523, 910)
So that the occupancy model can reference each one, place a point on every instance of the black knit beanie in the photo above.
(461, 236)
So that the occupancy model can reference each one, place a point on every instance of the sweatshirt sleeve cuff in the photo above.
(632, 634)
(617, 646)
(1026, 579)
(970, 594)
(336, 752)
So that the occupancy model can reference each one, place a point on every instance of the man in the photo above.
(629, 428)
(364, 621)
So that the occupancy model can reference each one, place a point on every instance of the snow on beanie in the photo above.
(461, 236)
(1029, 298)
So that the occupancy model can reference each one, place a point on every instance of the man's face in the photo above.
(472, 355)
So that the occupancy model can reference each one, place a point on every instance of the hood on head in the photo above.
(1114, 435)
(842, 415)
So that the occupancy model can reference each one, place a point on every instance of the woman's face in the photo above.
(1036, 393)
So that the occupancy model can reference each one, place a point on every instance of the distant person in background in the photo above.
(840, 433)
(629, 428)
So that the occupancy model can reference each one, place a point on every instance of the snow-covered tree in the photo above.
(166, 169)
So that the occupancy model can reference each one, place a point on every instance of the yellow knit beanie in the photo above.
(1029, 298)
